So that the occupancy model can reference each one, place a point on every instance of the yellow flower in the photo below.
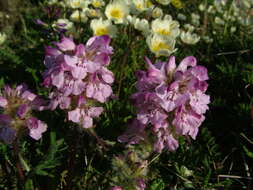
(165, 27)
(3, 37)
(150, 4)
(142, 25)
(117, 11)
(163, 2)
(78, 16)
(97, 3)
(160, 45)
(75, 4)
(157, 12)
(102, 27)
(189, 38)
(92, 12)
(141, 5)
(177, 3)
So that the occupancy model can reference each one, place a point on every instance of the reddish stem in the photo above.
(21, 175)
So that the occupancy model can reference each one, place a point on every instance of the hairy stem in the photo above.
(20, 173)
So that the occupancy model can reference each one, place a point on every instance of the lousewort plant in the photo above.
(17, 118)
(79, 77)
(170, 103)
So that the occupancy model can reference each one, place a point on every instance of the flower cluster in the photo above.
(79, 77)
(171, 101)
(17, 118)
(150, 18)
(215, 18)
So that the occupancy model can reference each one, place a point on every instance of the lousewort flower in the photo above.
(17, 117)
(79, 77)
(170, 101)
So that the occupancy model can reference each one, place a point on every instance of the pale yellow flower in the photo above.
(202, 7)
(160, 45)
(97, 3)
(165, 27)
(131, 19)
(181, 16)
(177, 3)
(189, 27)
(195, 19)
(92, 12)
(102, 27)
(142, 5)
(189, 38)
(218, 20)
(78, 16)
(63, 23)
(52, 2)
(117, 11)
(3, 37)
(157, 12)
(163, 2)
(75, 4)
(142, 25)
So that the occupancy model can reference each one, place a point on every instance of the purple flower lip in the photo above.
(22, 109)
(40, 22)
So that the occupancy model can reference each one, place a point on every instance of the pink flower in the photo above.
(66, 44)
(171, 100)
(18, 105)
(79, 77)
(36, 127)
(3, 102)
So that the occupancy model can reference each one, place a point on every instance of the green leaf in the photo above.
(249, 154)
(157, 185)
(52, 159)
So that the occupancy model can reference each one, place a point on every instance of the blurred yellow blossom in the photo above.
(3, 37)
(78, 16)
(75, 4)
(102, 27)
(189, 38)
(163, 2)
(160, 45)
(117, 11)
(157, 12)
(177, 3)
(165, 27)
(97, 3)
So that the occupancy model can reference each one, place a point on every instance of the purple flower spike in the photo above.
(171, 100)
(79, 77)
